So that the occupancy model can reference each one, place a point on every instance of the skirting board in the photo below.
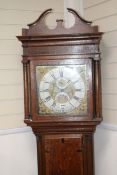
(28, 129)
(108, 126)
(15, 130)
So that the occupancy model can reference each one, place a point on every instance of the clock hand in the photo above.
(67, 84)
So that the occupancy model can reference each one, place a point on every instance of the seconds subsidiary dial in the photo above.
(62, 89)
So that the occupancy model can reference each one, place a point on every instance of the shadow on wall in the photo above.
(104, 50)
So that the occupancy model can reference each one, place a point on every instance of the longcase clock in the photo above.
(62, 93)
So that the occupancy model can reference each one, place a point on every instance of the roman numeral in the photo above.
(45, 90)
(62, 108)
(47, 99)
(61, 73)
(77, 98)
(78, 89)
(54, 104)
(53, 76)
(46, 82)
(75, 81)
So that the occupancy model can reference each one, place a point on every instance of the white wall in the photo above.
(17, 145)
(104, 14)
(18, 150)
(15, 15)
(106, 150)
(74, 4)
(18, 154)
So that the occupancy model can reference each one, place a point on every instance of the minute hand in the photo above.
(69, 82)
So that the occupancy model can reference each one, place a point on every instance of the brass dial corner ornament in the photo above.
(62, 89)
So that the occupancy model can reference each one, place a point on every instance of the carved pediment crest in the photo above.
(39, 26)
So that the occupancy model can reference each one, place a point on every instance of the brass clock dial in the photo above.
(62, 89)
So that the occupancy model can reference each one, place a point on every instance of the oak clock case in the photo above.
(62, 93)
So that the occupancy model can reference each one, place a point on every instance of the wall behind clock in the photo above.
(104, 14)
(14, 15)
(17, 143)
